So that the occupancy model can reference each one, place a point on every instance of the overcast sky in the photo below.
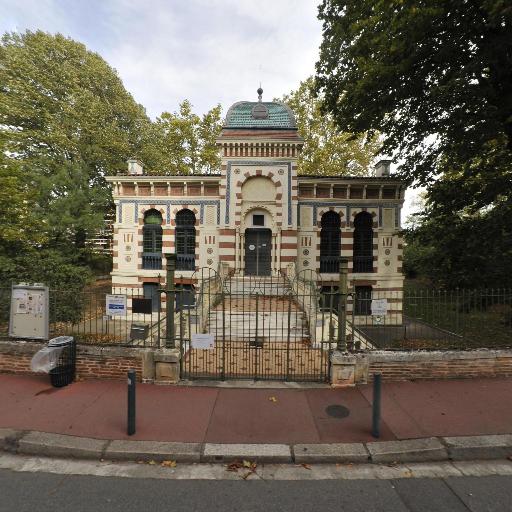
(206, 51)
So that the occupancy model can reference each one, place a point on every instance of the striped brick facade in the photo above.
(258, 178)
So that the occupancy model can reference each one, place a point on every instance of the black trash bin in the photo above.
(64, 372)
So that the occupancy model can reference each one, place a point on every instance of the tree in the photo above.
(327, 151)
(435, 77)
(66, 121)
(187, 141)
(469, 251)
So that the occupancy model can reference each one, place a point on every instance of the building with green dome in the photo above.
(258, 219)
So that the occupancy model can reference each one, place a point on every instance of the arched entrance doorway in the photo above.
(258, 251)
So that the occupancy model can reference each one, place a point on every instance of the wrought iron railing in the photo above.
(329, 264)
(363, 264)
(409, 319)
(152, 261)
(185, 262)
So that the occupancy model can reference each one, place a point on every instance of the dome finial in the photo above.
(260, 93)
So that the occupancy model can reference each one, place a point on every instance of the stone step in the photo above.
(258, 285)
(269, 324)
(294, 337)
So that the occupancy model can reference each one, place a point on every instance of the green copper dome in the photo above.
(260, 115)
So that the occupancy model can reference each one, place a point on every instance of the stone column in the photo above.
(237, 249)
(278, 249)
(274, 253)
(242, 252)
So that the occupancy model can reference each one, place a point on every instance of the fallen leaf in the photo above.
(306, 466)
(234, 466)
(140, 462)
(151, 462)
(273, 399)
(168, 463)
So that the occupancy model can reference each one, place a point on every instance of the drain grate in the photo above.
(337, 411)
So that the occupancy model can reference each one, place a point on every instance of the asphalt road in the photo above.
(41, 492)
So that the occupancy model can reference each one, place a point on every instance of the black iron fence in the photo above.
(429, 319)
(412, 319)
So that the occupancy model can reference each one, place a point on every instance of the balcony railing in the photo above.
(329, 264)
(363, 264)
(185, 262)
(152, 261)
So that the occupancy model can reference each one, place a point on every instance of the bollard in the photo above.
(131, 402)
(377, 387)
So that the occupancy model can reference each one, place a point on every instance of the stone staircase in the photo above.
(258, 310)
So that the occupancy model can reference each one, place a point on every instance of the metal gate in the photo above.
(263, 328)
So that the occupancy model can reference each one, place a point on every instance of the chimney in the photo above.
(382, 168)
(135, 167)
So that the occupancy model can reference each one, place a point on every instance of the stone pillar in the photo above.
(347, 370)
(167, 366)
(343, 369)
(278, 248)
(238, 238)
(242, 252)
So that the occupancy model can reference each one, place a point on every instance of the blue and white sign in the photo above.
(116, 305)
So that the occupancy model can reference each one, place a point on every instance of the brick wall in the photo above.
(93, 362)
(396, 366)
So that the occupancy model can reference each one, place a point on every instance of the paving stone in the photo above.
(153, 450)
(58, 445)
(253, 452)
(339, 452)
(479, 447)
(410, 450)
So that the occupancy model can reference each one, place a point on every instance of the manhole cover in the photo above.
(337, 411)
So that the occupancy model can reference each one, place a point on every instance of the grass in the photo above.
(477, 318)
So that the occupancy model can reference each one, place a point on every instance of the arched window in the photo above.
(330, 242)
(152, 240)
(185, 240)
(363, 242)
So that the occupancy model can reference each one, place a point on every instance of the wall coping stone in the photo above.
(434, 355)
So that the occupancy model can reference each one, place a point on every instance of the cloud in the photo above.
(208, 51)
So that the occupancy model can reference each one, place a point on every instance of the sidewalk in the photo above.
(97, 409)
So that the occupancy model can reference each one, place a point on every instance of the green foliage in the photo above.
(327, 151)
(462, 251)
(64, 276)
(187, 141)
(18, 227)
(436, 79)
(66, 121)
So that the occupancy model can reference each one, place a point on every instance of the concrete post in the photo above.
(170, 294)
(342, 306)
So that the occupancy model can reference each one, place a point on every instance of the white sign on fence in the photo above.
(379, 307)
(116, 305)
(204, 341)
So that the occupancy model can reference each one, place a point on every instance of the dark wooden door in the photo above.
(258, 252)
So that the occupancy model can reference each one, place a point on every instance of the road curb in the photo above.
(59, 445)
(153, 450)
(479, 447)
(430, 449)
(427, 449)
(271, 453)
